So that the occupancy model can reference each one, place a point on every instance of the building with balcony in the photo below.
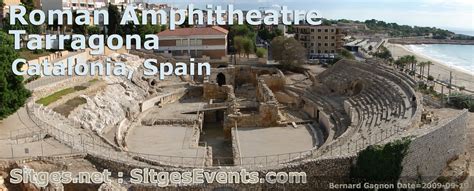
(195, 42)
(320, 39)
(73, 4)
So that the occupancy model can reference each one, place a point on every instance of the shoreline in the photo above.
(427, 57)
(417, 40)
(438, 70)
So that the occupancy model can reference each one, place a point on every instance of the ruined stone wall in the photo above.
(269, 115)
(430, 151)
(243, 120)
(229, 73)
(162, 99)
(214, 91)
(325, 121)
(264, 93)
(275, 82)
(319, 173)
(310, 108)
(287, 97)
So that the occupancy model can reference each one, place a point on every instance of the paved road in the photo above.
(17, 121)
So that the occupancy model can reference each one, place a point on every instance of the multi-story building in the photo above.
(320, 39)
(195, 42)
(73, 4)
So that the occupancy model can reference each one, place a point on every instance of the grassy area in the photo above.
(93, 80)
(58, 95)
(31, 55)
(66, 108)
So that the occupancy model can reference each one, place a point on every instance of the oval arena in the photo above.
(251, 117)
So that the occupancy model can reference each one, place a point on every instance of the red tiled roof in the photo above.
(215, 30)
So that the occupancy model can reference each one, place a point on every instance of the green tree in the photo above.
(383, 53)
(78, 29)
(429, 63)
(380, 163)
(12, 92)
(114, 25)
(248, 45)
(244, 30)
(164, 27)
(412, 61)
(408, 59)
(29, 5)
(288, 51)
(238, 44)
(422, 68)
(93, 30)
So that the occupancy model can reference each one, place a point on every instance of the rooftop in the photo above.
(215, 30)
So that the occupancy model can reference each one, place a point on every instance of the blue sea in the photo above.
(457, 56)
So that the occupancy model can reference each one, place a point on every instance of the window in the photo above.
(332, 30)
(332, 51)
(319, 51)
(319, 30)
(312, 51)
(319, 37)
(332, 44)
(181, 42)
(325, 30)
(312, 44)
(312, 37)
(312, 30)
(195, 42)
(325, 51)
(325, 44)
(326, 37)
(319, 44)
(333, 37)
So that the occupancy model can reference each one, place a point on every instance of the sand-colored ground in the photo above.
(470, 150)
(437, 70)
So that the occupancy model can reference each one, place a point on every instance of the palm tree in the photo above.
(420, 64)
(422, 68)
(429, 63)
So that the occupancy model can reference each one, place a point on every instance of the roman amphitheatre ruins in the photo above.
(241, 116)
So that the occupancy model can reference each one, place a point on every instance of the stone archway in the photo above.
(221, 79)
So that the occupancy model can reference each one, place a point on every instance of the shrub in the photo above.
(261, 52)
(32, 78)
(422, 86)
(461, 101)
(347, 55)
(430, 78)
(38, 51)
(380, 163)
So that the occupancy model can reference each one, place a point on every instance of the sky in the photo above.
(449, 14)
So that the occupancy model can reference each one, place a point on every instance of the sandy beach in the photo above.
(437, 70)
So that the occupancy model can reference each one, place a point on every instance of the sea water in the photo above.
(457, 56)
